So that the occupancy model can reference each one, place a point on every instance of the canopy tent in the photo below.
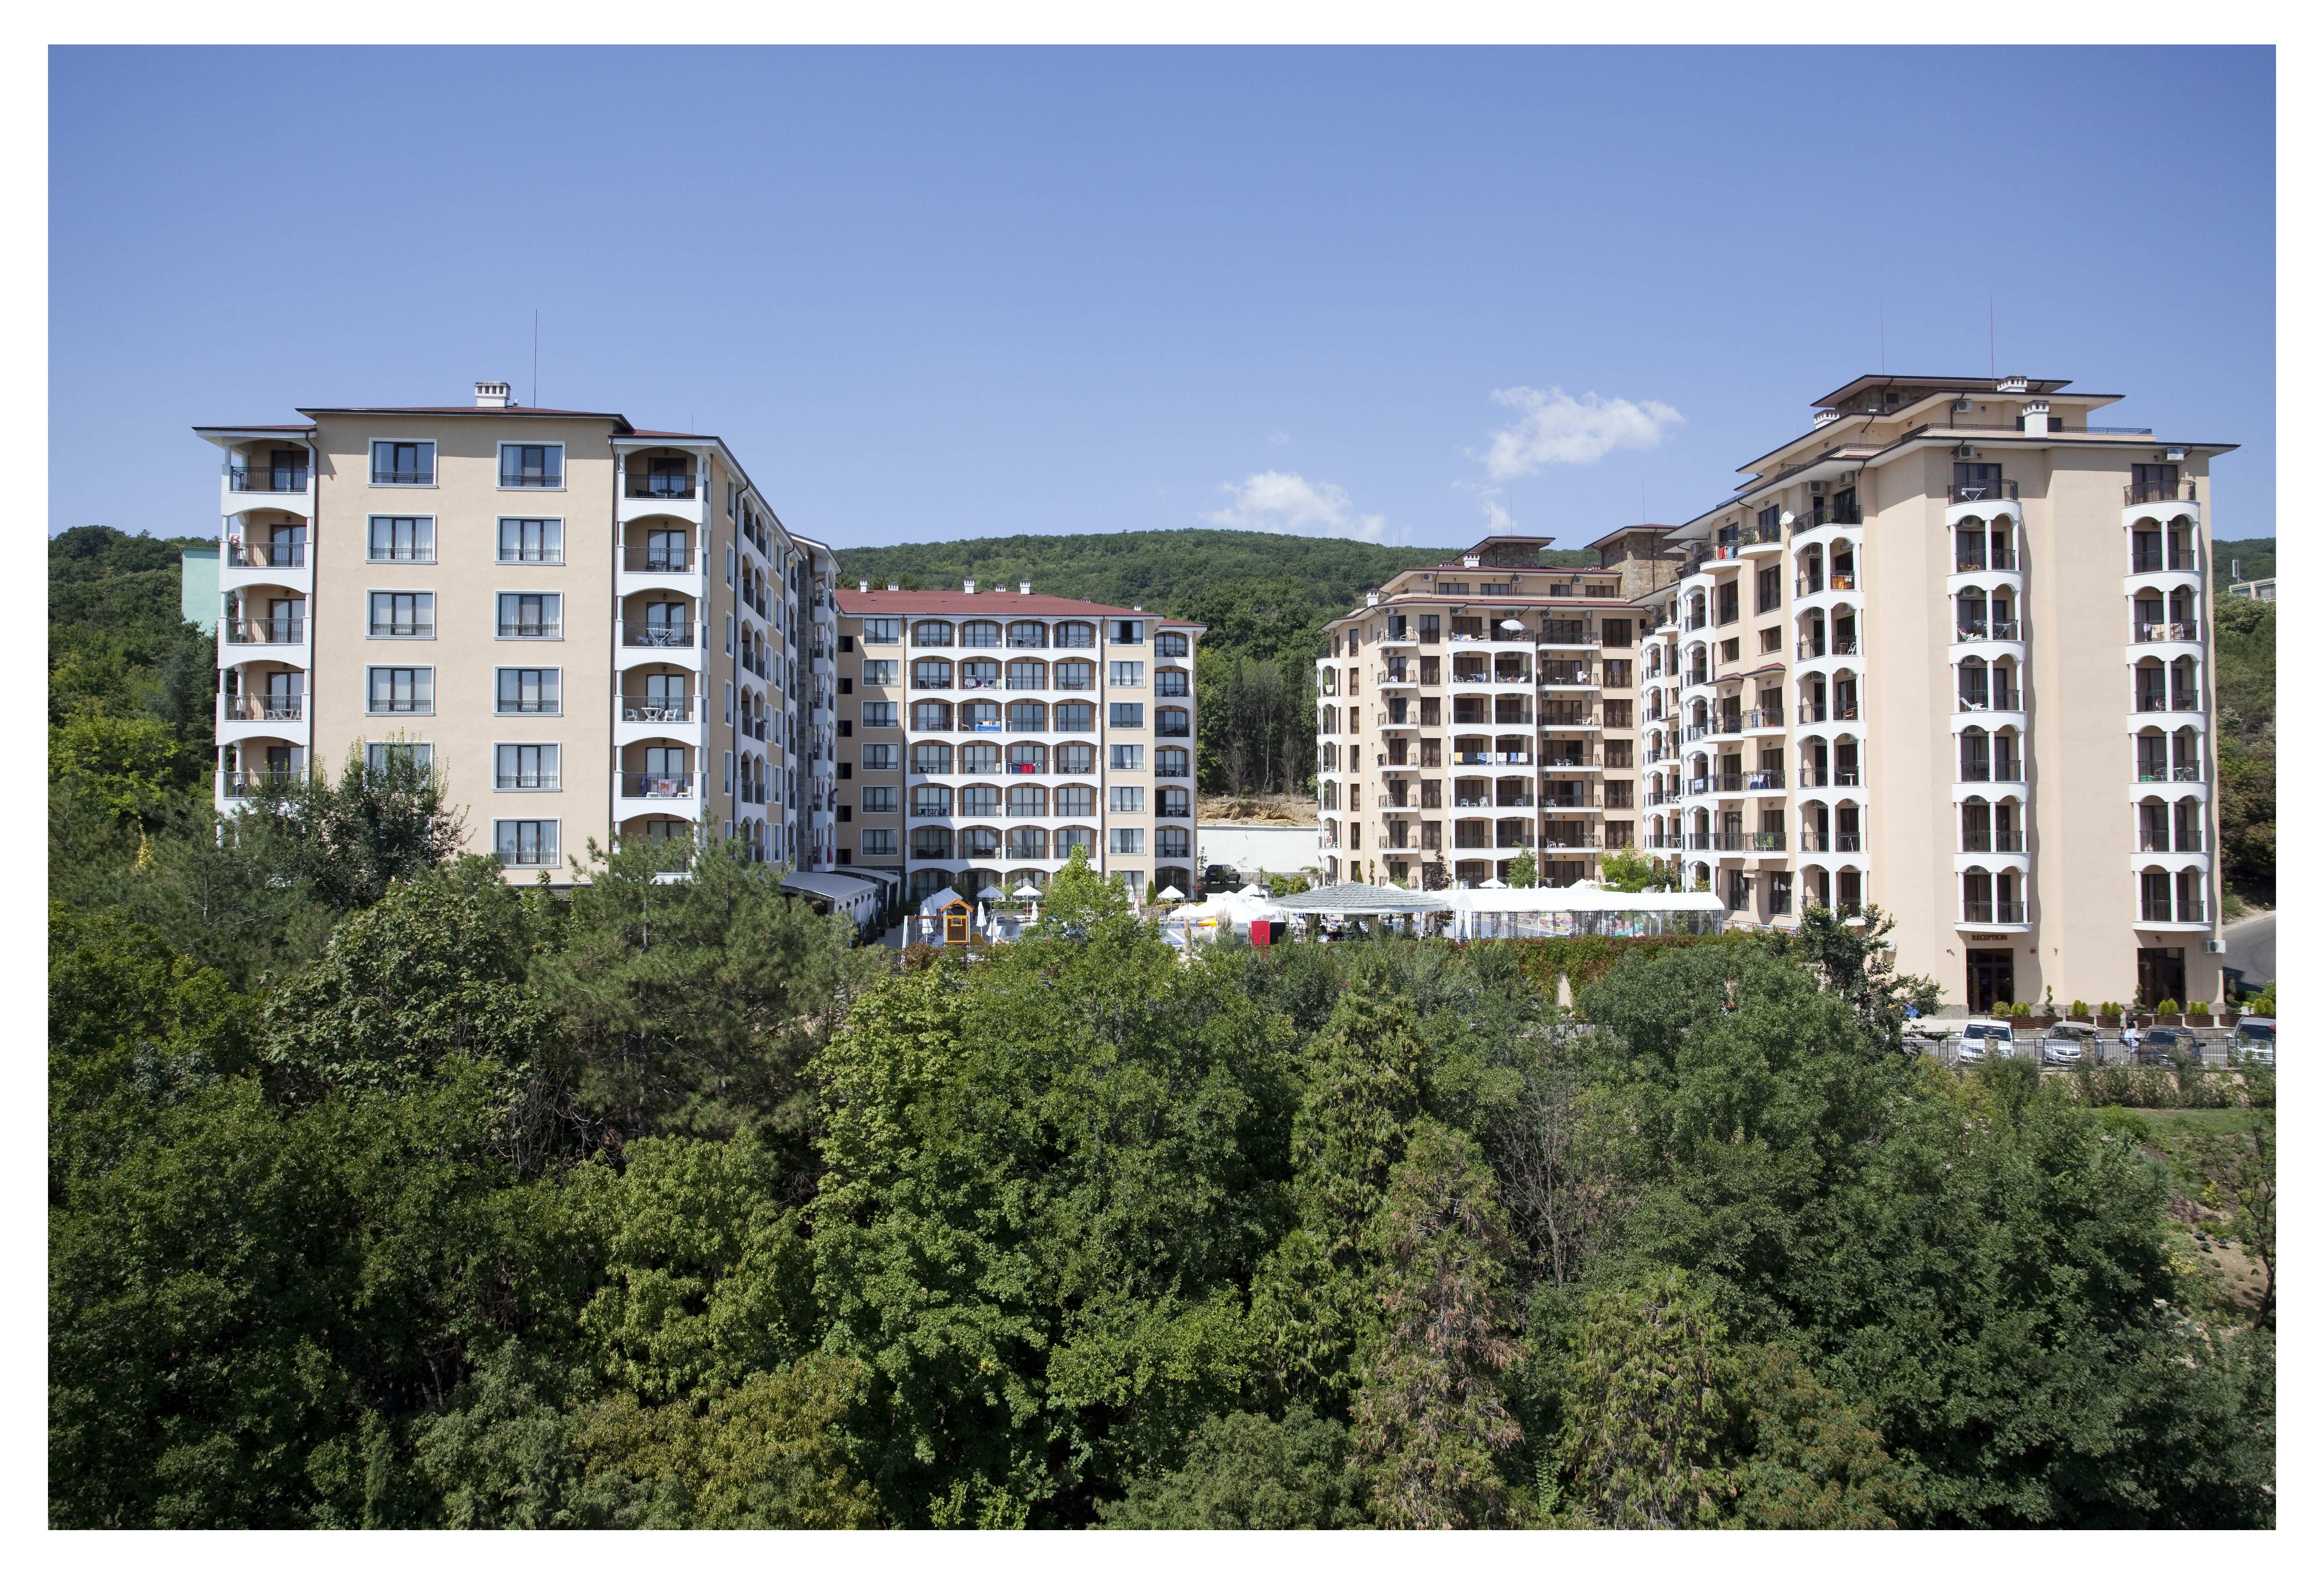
(937, 901)
(860, 900)
(1351, 898)
(1583, 908)
(1170, 894)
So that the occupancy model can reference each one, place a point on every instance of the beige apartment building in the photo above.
(984, 734)
(593, 631)
(1946, 652)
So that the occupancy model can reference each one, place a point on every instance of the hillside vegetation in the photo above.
(2246, 722)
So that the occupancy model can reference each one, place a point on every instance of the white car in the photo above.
(2256, 1037)
(1984, 1036)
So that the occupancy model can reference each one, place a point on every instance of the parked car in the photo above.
(2067, 1044)
(1984, 1036)
(2256, 1037)
(2160, 1046)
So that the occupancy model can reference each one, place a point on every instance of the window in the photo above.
(931, 799)
(1770, 640)
(879, 757)
(1170, 680)
(1126, 800)
(403, 690)
(1732, 650)
(980, 633)
(1170, 722)
(1126, 840)
(883, 631)
(1126, 757)
(1077, 636)
(878, 844)
(931, 716)
(931, 631)
(1170, 645)
(1171, 763)
(1077, 717)
(1125, 631)
(1123, 715)
(525, 843)
(1027, 635)
(402, 614)
(1125, 674)
(932, 759)
(879, 801)
(1072, 837)
(931, 842)
(528, 691)
(525, 766)
(403, 464)
(532, 615)
(1730, 601)
(980, 758)
(533, 542)
(879, 713)
(1076, 800)
(1769, 593)
(880, 673)
(533, 465)
(377, 756)
(1173, 842)
(1076, 675)
(980, 799)
(403, 539)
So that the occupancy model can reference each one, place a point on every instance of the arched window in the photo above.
(931, 842)
(980, 632)
(980, 717)
(1076, 675)
(931, 716)
(927, 883)
(979, 842)
(1169, 645)
(980, 799)
(1028, 759)
(1172, 680)
(980, 673)
(1076, 800)
(1173, 842)
(1076, 716)
(1026, 802)
(1027, 635)
(1029, 675)
(1072, 837)
(1077, 637)
(1027, 842)
(1076, 759)
(931, 672)
(1173, 722)
(1172, 761)
(931, 631)
(931, 799)
(1028, 717)
(931, 759)
(977, 759)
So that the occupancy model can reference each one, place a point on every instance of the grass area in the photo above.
(2197, 1122)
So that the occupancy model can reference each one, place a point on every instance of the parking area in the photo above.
(2215, 1046)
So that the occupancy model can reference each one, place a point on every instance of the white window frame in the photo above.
(423, 751)
(371, 707)
(1125, 675)
(1126, 842)
(555, 785)
(500, 466)
(370, 547)
(1125, 800)
(556, 832)
(500, 547)
(881, 714)
(435, 456)
(550, 674)
(887, 835)
(499, 623)
(1135, 753)
(370, 619)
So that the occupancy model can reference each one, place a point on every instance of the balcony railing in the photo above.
(1981, 492)
(2152, 772)
(674, 636)
(679, 708)
(2182, 491)
(1989, 629)
(2151, 634)
(1170, 812)
(266, 554)
(1814, 841)
(1567, 716)
(2154, 560)
(1816, 776)
(1718, 782)
(1763, 717)
(1974, 840)
(2181, 701)
(267, 479)
(1991, 912)
(1567, 632)
(1158, 770)
(1998, 770)
(262, 707)
(651, 785)
(1829, 514)
(1662, 841)
(2190, 839)
(391, 477)
(1556, 837)
(637, 486)
(658, 560)
(265, 631)
(253, 784)
(1999, 700)
(1984, 563)
(2187, 911)
(531, 629)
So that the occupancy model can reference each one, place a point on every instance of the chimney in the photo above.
(492, 396)
(1024, 588)
(893, 586)
(968, 586)
(865, 585)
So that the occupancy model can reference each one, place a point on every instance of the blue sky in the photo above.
(928, 294)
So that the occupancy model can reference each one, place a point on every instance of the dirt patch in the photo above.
(1258, 809)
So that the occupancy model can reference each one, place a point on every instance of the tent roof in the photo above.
(1354, 897)
(937, 901)
(1584, 897)
(843, 888)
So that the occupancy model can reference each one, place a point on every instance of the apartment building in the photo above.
(1946, 652)
(985, 734)
(594, 631)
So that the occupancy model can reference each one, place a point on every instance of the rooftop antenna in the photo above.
(536, 357)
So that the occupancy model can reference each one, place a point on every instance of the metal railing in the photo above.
(1989, 629)
(267, 631)
(1981, 492)
(531, 629)
(2154, 560)
(1998, 770)
(2136, 492)
(682, 708)
(1977, 563)
(1763, 717)
(262, 707)
(665, 784)
(1567, 632)
(2188, 911)
(672, 636)
(658, 560)
(276, 555)
(1833, 513)
(1718, 782)
(1989, 912)
(1566, 676)
(1973, 840)
(252, 784)
(2147, 772)
(1814, 841)
(268, 478)
(402, 478)
(1816, 776)
(2179, 701)
(641, 485)
(1999, 700)
(539, 478)
(2153, 634)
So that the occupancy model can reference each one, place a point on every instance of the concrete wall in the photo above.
(1275, 849)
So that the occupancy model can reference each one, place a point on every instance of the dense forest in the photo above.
(2247, 723)
(1265, 597)
(382, 1193)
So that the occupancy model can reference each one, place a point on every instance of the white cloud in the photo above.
(1280, 440)
(1497, 519)
(1557, 429)
(1274, 500)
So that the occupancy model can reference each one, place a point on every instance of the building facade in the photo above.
(984, 736)
(1948, 653)
(592, 631)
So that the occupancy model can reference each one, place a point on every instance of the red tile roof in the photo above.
(988, 604)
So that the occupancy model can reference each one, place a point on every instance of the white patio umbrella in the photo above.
(1512, 623)
(1171, 894)
(1493, 884)
(1254, 890)
(1029, 890)
(991, 894)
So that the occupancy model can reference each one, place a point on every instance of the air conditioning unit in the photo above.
(1816, 489)
(1964, 452)
(2215, 946)
(1963, 407)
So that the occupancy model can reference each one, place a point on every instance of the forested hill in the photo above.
(1167, 571)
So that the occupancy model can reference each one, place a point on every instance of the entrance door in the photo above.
(1992, 978)
(2162, 974)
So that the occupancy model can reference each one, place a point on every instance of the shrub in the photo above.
(2078, 1009)
(2166, 1007)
